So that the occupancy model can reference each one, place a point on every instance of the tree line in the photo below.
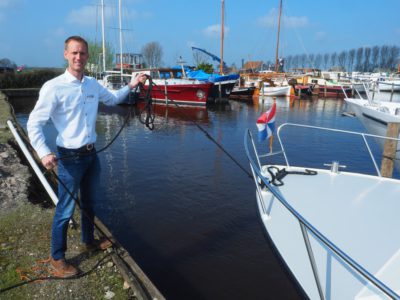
(364, 59)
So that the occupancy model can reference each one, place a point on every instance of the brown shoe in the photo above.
(60, 268)
(101, 244)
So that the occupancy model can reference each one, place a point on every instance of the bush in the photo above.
(28, 79)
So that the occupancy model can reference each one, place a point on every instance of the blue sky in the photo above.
(32, 31)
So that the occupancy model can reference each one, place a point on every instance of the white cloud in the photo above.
(88, 15)
(320, 35)
(271, 20)
(6, 3)
(214, 31)
(85, 16)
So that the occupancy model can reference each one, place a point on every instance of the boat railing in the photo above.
(306, 226)
(363, 135)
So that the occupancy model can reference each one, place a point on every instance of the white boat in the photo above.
(387, 85)
(335, 231)
(375, 115)
(268, 90)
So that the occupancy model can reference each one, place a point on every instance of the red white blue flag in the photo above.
(266, 123)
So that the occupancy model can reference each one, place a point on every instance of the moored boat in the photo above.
(269, 89)
(376, 115)
(171, 86)
(222, 84)
(334, 230)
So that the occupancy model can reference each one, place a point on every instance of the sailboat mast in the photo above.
(103, 36)
(120, 36)
(277, 41)
(221, 65)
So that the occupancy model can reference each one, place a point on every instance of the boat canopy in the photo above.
(203, 76)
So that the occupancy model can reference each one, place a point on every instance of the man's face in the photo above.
(77, 55)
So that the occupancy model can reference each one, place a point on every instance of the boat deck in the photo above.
(352, 213)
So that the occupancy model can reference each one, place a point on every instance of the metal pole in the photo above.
(277, 41)
(312, 260)
(221, 65)
(120, 36)
(391, 94)
(33, 164)
(103, 35)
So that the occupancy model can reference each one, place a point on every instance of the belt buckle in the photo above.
(89, 147)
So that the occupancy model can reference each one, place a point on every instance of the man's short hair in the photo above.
(77, 39)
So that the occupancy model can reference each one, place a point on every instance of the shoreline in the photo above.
(25, 227)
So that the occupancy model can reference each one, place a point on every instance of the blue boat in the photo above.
(223, 84)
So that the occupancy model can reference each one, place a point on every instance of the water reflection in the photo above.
(184, 211)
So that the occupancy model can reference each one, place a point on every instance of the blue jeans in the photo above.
(78, 173)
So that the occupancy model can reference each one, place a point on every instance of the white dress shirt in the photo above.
(72, 106)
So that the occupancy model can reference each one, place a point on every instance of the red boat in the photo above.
(330, 91)
(170, 86)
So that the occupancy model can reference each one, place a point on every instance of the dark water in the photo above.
(185, 212)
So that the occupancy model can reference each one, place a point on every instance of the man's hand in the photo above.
(139, 78)
(49, 161)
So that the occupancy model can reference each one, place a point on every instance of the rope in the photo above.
(26, 280)
(205, 133)
(277, 175)
(146, 115)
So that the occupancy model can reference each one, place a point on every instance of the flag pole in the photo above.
(271, 138)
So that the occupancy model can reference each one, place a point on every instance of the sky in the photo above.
(32, 32)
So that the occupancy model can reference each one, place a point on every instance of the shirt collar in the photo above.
(71, 78)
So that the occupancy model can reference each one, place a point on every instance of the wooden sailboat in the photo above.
(275, 83)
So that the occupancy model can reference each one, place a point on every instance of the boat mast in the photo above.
(277, 42)
(120, 36)
(103, 36)
(221, 65)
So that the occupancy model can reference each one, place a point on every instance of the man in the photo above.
(71, 102)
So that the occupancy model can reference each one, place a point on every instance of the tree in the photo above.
(289, 61)
(326, 60)
(152, 53)
(318, 61)
(7, 63)
(333, 59)
(359, 57)
(303, 60)
(384, 57)
(352, 54)
(200, 57)
(95, 61)
(393, 57)
(342, 60)
(375, 57)
(296, 60)
(208, 68)
(311, 58)
(367, 55)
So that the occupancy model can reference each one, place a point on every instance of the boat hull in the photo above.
(180, 94)
(242, 92)
(376, 121)
(222, 89)
(331, 91)
(275, 90)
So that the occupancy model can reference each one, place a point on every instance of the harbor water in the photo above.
(184, 210)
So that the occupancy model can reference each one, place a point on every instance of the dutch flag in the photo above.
(266, 123)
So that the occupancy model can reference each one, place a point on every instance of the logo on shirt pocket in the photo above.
(90, 98)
